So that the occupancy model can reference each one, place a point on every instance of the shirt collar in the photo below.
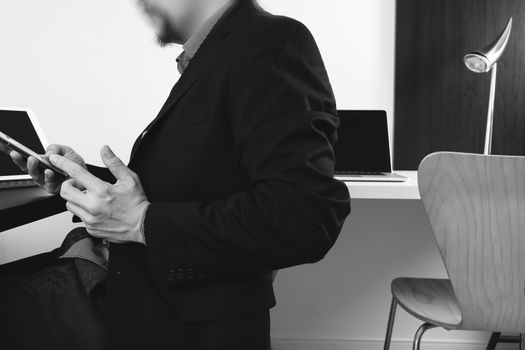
(195, 41)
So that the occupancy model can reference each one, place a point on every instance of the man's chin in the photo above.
(162, 42)
(167, 37)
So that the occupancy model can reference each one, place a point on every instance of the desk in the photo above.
(386, 190)
(21, 206)
(24, 205)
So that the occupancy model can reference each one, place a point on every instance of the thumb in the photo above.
(55, 149)
(114, 164)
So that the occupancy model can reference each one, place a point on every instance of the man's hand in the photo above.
(47, 179)
(110, 212)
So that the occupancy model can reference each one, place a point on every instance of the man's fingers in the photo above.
(51, 181)
(34, 170)
(82, 214)
(55, 149)
(114, 164)
(4, 148)
(50, 177)
(20, 161)
(77, 172)
(71, 193)
(88, 219)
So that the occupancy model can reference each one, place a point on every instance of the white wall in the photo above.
(92, 72)
(90, 69)
(357, 41)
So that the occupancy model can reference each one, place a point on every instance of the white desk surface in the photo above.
(386, 190)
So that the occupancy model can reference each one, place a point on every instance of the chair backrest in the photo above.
(476, 207)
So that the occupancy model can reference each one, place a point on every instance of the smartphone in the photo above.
(26, 152)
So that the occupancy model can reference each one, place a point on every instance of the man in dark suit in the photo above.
(232, 180)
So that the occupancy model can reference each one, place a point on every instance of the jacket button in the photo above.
(172, 275)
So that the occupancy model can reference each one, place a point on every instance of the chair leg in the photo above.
(419, 334)
(390, 326)
(493, 341)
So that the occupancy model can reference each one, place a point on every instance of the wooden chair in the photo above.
(476, 208)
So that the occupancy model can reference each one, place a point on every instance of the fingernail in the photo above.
(53, 158)
(107, 151)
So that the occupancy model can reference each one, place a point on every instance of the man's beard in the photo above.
(168, 35)
(166, 32)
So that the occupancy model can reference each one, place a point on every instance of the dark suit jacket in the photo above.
(238, 166)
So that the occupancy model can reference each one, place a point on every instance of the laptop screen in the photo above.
(18, 126)
(363, 142)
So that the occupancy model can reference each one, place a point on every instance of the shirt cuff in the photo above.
(142, 231)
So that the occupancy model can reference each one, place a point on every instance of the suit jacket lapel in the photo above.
(202, 59)
(181, 87)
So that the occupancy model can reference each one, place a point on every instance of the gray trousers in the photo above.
(52, 303)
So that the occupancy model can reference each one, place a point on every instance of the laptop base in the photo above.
(7, 184)
(383, 177)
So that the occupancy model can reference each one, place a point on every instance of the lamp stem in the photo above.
(490, 114)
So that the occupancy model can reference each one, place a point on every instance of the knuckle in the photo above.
(102, 191)
(65, 186)
(90, 221)
(109, 193)
(135, 177)
(93, 209)
(74, 170)
(63, 189)
(50, 180)
(97, 210)
(115, 161)
(131, 185)
(106, 189)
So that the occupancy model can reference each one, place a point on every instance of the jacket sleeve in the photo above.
(284, 123)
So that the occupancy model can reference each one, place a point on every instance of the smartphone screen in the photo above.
(27, 152)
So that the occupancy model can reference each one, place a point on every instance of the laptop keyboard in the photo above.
(17, 184)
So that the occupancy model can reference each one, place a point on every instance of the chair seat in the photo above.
(430, 300)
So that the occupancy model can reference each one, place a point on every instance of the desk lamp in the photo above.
(483, 62)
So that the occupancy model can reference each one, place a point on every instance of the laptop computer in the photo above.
(362, 152)
(22, 125)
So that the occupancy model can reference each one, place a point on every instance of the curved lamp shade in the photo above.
(483, 61)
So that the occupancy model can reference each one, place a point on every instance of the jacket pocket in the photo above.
(223, 300)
